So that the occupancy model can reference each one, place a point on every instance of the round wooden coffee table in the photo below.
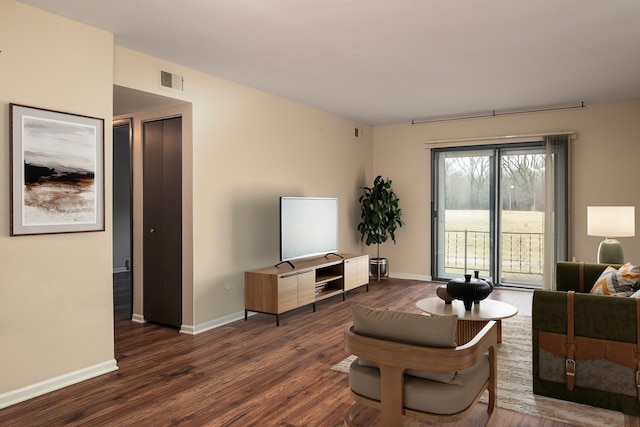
(470, 322)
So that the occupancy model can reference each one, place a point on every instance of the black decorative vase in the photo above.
(469, 290)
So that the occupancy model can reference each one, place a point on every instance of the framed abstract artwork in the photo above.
(57, 172)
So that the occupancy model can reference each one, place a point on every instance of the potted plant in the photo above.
(380, 216)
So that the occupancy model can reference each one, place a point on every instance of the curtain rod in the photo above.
(501, 137)
(495, 113)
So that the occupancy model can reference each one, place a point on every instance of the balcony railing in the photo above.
(522, 254)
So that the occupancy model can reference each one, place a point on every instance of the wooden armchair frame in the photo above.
(394, 358)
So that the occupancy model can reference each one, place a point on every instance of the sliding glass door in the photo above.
(521, 220)
(490, 210)
(463, 212)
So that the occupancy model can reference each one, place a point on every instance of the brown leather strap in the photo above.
(638, 347)
(570, 363)
(581, 276)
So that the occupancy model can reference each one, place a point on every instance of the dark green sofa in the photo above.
(598, 382)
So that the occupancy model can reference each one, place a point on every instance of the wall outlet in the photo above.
(228, 290)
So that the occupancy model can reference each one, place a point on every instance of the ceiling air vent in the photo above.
(171, 81)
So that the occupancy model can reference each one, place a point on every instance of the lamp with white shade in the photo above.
(611, 222)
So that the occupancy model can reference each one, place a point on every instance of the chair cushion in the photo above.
(407, 328)
(442, 377)
(422, 394)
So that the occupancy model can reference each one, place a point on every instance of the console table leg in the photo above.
(277, 320)
(245, 315)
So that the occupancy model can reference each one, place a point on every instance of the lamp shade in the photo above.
(611, 221)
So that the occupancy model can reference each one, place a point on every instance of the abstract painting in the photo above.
(57, 172)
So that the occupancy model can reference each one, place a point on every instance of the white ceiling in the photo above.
(390, 61)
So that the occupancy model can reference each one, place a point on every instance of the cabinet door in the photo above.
(306, 288)
(261, 292)
(363, 270)
(351, 274)
(287, 293)
(356, 272)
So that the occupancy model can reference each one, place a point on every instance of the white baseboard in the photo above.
(211, 324)
(138, 318)
(187, 329)
(38, 389)
(202, 327)
(409, 276)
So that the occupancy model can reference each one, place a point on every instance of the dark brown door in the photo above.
(162, 219)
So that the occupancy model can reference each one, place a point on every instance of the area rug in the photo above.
(515, 389)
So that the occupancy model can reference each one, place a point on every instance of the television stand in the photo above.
(271, 290)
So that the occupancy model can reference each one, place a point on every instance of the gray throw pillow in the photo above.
(407, 328)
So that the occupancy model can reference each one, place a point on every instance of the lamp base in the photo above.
(610, 252)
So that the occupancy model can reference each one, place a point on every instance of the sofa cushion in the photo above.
(618, 282)
(407, 328)
(568, 275)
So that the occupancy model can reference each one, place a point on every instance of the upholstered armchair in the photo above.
(409, 364)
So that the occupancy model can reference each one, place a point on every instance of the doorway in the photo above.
(140, 107)
(122, 218)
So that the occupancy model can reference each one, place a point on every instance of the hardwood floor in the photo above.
(246, 373)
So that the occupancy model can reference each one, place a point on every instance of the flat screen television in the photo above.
(308, 227)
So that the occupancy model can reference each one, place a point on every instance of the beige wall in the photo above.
(244, 149)
(56, 311)
(249, 148)
(604, 171)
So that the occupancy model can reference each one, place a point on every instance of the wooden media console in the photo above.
(276, 290)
